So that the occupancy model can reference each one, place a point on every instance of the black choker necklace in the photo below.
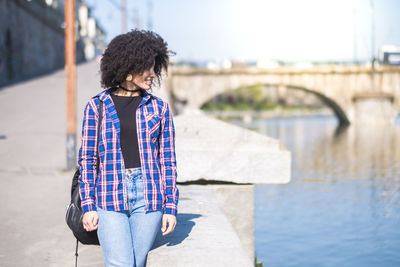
(131, 91)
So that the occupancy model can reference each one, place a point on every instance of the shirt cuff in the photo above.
(88, 205)
(170, 208)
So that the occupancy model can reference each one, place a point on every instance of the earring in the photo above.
(129, 77)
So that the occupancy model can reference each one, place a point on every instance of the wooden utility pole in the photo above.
(70, 70)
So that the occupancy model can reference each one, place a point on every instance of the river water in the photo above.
(342, 206)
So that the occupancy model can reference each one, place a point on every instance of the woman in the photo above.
(134, 194)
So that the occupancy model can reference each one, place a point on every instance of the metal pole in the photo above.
(149, 15)
(123, 15)
(70, 70)
(372, 35)
(355, 58)
(136, 19)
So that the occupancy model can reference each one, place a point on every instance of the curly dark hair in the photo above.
(133, 52)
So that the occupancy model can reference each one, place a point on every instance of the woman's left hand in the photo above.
(170, 220)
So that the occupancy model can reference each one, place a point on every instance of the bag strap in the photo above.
(76, 253)
(98, 163)
(98, 135)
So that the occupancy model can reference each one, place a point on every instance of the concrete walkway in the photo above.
(35, 189)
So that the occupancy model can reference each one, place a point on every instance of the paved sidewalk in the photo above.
(33, 183)
(33, 120)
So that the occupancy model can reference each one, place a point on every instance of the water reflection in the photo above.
(320, 147)
(343, 204)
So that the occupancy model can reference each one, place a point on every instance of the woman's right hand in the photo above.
(90, 220)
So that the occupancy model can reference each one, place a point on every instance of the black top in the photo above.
(126, 109)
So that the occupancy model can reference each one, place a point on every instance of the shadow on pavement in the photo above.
(182, 230)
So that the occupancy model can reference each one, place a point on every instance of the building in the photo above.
(91, 34)
(389, 55)
(32, 38)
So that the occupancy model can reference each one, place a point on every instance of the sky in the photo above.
(251, 30)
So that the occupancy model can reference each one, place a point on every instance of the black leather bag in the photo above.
(74, 216)
(74, 213)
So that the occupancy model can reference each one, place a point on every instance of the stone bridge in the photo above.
(354, 93)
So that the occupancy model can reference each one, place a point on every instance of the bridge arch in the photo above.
(329, 102)
(354, 93)
(332, 104)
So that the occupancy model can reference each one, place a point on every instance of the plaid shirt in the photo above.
(156, 139)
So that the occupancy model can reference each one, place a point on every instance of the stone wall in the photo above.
(31, 40)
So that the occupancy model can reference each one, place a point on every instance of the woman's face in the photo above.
(145, 80)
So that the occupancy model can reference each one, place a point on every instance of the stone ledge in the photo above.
(207, 148)
(203, 236)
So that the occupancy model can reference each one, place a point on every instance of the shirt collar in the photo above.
(106, 94)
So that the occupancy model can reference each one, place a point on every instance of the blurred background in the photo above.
(210, 34)
(301, 71)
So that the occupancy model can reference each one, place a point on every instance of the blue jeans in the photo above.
(127, 236)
